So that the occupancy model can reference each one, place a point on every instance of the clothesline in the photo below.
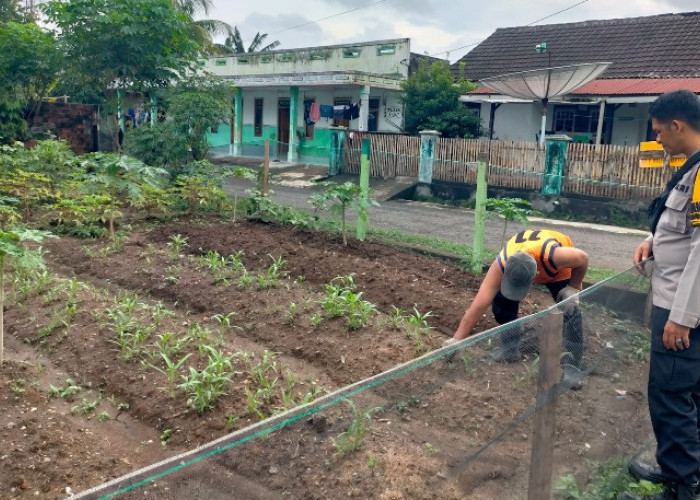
(314, 111)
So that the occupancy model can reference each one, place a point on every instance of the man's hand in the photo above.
(451, 341)
(676, 337)
(570, 298)
(642, 253)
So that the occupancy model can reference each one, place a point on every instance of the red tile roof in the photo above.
(627, 86)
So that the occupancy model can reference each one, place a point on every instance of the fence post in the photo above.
(554, 162)
(266, 166)
(362, 215)
(337, 146)
(542, 454)
(427, 155)
(479, 213)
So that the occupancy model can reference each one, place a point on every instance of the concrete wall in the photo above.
(372, 57)
(390, 115)
(521, 121)
(597, 209)
(630, 124)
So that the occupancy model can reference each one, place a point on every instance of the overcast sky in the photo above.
(435, 27)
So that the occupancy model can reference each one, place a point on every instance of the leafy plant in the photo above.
(352, 439)
(13, 252)
(417, 328)
(176, 245)
(511, 209)
(170, 370)
(340, 198)
(205, 387)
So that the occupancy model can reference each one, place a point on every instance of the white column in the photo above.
(363, 126)
(601, 117)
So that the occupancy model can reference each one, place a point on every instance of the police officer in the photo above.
(674, 372)
(539, 256)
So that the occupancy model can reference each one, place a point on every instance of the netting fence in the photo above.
(533, 408)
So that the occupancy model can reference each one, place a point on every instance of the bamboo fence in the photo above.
(607, 171)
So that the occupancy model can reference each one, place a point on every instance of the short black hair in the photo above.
(681, 105)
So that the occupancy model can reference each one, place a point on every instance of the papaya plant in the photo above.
(511, 209)
(29, 187)
(338, 198)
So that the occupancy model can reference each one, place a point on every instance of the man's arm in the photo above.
(484, 297)
(685, 312)
(574, 258)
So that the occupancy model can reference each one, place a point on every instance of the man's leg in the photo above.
(674, 393)
(505, 311)
(572, 335)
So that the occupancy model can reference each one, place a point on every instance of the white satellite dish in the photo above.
(543, 84)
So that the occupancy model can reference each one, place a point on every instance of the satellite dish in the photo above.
(543, 84)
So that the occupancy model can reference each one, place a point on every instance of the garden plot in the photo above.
(127, 352)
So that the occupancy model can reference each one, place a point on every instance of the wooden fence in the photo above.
(607, 171)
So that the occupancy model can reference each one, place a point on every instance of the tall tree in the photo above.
(431, 100)
(134, 44)
(27, 71)
(234, 43)
(203, 30)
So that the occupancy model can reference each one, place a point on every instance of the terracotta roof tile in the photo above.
(663, 46)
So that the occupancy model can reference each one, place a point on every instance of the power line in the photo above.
(529, 24)
(326, 18)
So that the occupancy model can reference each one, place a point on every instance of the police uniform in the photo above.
(674, 376)
(540, 244)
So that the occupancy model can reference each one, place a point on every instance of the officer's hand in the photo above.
(676, 337)
(569, 299)
(642, 253)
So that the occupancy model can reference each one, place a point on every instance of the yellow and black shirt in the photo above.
(540, 244)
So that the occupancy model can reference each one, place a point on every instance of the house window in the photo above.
(258, 117)
(341, 122)
(221, 62)
(563, 120)
(352, 52)
(373, 119)
(386, 50)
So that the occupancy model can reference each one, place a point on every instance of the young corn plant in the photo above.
(176, 246)
(203, 388)
(170, 370)
(271, 276)
(352, 439)
(417, 329)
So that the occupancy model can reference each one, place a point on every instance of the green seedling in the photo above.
(170, 370)
(66, 391)
(352, 439)
(176, 245)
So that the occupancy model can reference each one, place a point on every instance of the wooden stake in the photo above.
(542, 455)
(266, 166)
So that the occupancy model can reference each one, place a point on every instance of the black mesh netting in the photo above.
(457, 422)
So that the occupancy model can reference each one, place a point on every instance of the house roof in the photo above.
(626, 86)
(662, 46)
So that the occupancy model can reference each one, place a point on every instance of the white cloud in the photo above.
(433, 26)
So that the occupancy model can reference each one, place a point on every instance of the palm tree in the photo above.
(205, 29)
(234, 43)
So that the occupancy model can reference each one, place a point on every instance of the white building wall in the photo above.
(630, 124)
(514, 121)
(390, 117)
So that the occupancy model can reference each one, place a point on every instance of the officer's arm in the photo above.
(686, 306)
(574, 258)
(484, 297)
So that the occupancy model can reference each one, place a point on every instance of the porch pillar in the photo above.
(427, 155)
(364, 108)
(336, 149)
(293, 153)
(238, 124)
(601, 118)
(554, 162)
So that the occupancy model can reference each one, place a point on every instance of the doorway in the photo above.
(283, 127)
